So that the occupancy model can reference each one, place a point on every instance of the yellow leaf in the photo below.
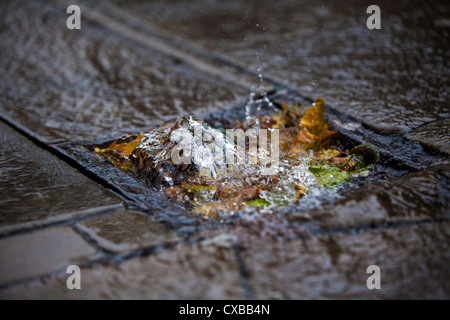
(327, 154)
(118, 152)
(313, 120)
(305, 140)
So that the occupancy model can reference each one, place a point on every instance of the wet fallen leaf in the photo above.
(289, 116)
(314, 119)
(118, 152)
(251, 192)
(175, 193)
(365, 154)
(345, 163)
(216, 207)
(314, 132)
(258, 203)
(326, 154)
(329, 176)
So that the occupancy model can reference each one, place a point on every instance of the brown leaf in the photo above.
(213, 208)
(305, 140)
(252, 192)
(313, 120)
(229, 190)
(314, 133)
(326, 154)
(118, 152)
(346, 163)
(175, 193)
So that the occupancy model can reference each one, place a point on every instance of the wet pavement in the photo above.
(24, 256)
(322, 48)
(334, 266)
(181, 272)
(64, 85)
(135, 64)
(37, 186)
(125, 231)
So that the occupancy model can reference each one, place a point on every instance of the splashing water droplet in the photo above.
(253, 106)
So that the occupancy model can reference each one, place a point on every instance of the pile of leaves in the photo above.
(308, 160)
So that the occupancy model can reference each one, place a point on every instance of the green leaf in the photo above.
(258, 203)
(329, 176)
(365, 154)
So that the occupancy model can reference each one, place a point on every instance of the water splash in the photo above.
(188, 141)
(294, 176)
(258, 95)
(190, 147)
(257, 98)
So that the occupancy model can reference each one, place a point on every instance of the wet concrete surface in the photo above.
(23, 256)
(433, 136)
(36, 185)
(181, 272)
(65, 85)
(394, 79)
(137, 63)
(124, 231)
(413, 261)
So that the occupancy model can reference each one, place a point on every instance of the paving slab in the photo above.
(183, 272)
(36, 185)
(393, 79)
(413, 261)
(127, 230)
(31, 255)
(435, 135)
(94, 82)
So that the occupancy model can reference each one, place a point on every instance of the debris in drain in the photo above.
(224, 170)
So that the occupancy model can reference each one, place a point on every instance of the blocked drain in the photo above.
(270, 161)
(147, 196)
